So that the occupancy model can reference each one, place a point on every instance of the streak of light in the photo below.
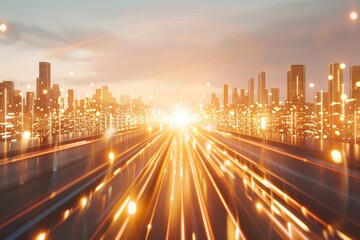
(318, 164)
(278, 224)
(117, 171)
(121, 209)
(99, 186)
(342, 235)
(182, 198)
(66, 214)
(59, 148)
(204, 214)
(292, 216)
(193, 236)
(221, 197)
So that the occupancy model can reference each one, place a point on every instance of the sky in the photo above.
(171, 49)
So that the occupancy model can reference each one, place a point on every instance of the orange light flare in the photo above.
(83, 202)
(132, 208)
(41, 236)
(336, 156)
(66, 214)
(3, 27)
(111, 157)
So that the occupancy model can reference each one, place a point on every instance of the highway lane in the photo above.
(25, 202)
(32, 163)
(330, 191)
(194, 183)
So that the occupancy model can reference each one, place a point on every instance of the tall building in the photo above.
(242, 97)
(336, 80)
(127, 100)
(18, 101)
(274, 97)
(70, 99)
(3, 102)
(355, 84)
(296, 84)
(322, 102)
(251, 91)
(262, 96)
(122, 99)
(30, 101)
(214, 101)
(9, 85)
(235, 96)
(55, 94)
(226, 95)
(43, 83)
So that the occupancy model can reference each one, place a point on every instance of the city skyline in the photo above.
(191, 119)
(236, 44)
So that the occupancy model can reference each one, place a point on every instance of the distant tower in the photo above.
(275, 97)
(30, 100)
(262, 96)
(43, 88)
(336, 80)
(226, 95)
(355, 84)
(251, 91)
(296, 84)
(235, 96)
(70, 99)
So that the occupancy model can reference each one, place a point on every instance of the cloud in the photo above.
(217, 44)
(29, 36)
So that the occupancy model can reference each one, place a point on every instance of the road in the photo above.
(181, 183)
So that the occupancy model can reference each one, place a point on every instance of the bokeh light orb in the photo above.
(311, 85)
(336, 156)
(353, 16)
(3, 27)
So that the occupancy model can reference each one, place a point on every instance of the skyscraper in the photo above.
(251, 91)
(55, 94)
(9, 85)
(235, 96)
(275, 97)
(226, 95)
(30, 100)
(355, 84)
(296, 84)
(43, 88)
(214, 101)
(70, 99)
(336, 80)
(262, 96)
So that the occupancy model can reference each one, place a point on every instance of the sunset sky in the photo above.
(175, 47)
